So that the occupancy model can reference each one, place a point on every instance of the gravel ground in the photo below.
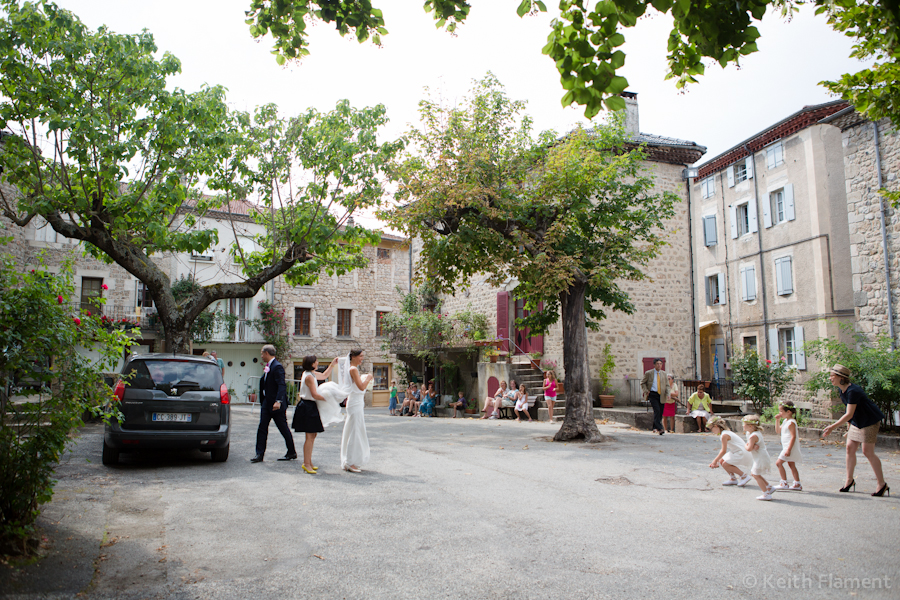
(459, 508)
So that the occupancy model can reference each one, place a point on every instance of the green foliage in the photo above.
(549, 213)
(760, 380)
(874, 366)
(585, 41)
(52, 385)
(607, 366)
(472, 404)
(272, 324)
(804, 417)
(111, 154)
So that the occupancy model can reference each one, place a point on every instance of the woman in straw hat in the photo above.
(865, 418)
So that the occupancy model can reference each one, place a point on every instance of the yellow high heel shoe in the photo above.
(310, 471)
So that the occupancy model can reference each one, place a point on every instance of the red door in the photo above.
(525, 342)
(648, 363)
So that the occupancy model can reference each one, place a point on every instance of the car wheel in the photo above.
(110, 454)
(219, 454)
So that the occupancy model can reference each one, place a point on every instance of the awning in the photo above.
(708, 323)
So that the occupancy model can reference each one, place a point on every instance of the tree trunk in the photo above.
(579, 422)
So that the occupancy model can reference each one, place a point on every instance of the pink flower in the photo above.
(77, 321)
(266, 369)
(60, 298)
(768, 362)
(88, 313)
(105, 287)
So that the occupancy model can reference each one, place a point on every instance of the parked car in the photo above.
(170, 401)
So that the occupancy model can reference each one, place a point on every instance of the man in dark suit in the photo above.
(273, 405)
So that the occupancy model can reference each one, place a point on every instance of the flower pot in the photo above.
(606, 400)
(252, 398)
(493, 358)
(471, 411)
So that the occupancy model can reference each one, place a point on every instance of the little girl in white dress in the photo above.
(762, 463)
(790, 446)
(732, 457)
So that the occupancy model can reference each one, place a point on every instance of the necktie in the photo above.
(658, 384)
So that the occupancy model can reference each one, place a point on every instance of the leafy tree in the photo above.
(51, 386)
(585, 40)
(873, 363)
(102, 150)
(568, 219)
(760, 380)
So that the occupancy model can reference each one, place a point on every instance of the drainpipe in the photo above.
(884, 243)
(695, 338)
(760, 225)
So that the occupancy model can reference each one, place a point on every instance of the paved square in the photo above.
(461, 509)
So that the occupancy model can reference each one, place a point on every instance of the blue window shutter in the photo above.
(773, 345)
(733, 222)
(789, 213)
(749, 165)
(722, 288)
(799, 353)
(730, 173)
(751, 213)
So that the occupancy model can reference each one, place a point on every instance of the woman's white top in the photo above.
(795, 456)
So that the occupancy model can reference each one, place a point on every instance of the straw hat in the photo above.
(841, 371)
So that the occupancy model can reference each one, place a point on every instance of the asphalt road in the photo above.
(459, 509)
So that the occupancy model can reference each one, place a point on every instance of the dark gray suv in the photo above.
(170, 401)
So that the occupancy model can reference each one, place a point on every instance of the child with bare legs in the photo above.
(550, 391)
(732, 457)
(790, 446)
(762, 463)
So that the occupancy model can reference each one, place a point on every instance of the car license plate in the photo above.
(179, 417)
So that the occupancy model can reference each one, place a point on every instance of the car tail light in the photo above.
(120, 390)
(223, 394)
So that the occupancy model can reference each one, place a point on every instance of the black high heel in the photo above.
(849, 485)
(883, 489)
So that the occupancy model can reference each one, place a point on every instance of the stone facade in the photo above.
(364, 293)
(864, 207)
(772, 248)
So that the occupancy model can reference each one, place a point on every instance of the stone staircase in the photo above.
(534, 384)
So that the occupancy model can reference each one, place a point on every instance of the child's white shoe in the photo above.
(732, 481)
(796, 487)
(767, 495)
(783, 485)
(744, 480)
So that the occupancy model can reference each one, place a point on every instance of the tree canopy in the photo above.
(568, 219)
(105, 152)
(586, 38)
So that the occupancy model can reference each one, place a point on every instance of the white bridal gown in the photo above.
(334, 393)
(354, 441)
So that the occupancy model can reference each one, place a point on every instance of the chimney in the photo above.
(632, 122)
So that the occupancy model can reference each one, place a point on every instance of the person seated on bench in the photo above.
(460, 403)
(700, 405)
(492, 403)
(426, 408)
(510, 397)
(522, 404)
(411, 401)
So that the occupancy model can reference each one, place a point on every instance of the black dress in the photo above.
(306, 417)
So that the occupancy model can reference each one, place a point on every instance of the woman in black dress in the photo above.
(306, 414)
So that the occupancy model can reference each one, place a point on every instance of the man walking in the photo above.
(655, 385)
(273, 405)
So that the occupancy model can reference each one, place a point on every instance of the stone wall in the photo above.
(364, 291)
(863, 206)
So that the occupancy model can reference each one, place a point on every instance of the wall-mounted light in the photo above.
(690, 173)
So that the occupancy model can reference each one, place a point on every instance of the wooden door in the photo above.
(381, 385)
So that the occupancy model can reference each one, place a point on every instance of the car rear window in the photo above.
(173, 376)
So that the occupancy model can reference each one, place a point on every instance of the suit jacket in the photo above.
(647, 382)
(272, 387)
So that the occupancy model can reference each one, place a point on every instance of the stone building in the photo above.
(663, 323)
(340, 313)
(772, 245)
(871, 162)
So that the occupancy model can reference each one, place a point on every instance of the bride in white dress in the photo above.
(354, 441)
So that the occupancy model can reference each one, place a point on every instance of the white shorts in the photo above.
(521, 405)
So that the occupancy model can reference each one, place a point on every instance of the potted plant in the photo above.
(536, 360)
(607, 365)
(471, 406)
(491, 354)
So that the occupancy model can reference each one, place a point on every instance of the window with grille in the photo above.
(384, 253)
(343, 321)
(301, 321)
(379, 328)
(91, 291)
